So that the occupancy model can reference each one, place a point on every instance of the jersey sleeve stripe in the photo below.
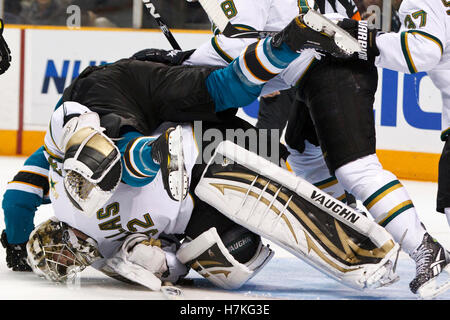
(128, 161)
(220, 51)
(31, 178)
(272, 57)
(405, 48)
(303, 6)
(51, 136)
(25, 187)
(265, 62)
(406, 53)
(36, 170)
(254, 65)
(429, 37)
(56, 157)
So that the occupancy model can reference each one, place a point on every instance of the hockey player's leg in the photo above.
(311, 166)
(389, 203)
(289, 211)
(263, 60)
(345, 126)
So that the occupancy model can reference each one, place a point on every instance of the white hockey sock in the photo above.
(385, 198)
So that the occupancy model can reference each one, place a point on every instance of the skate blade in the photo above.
(342, 38)
(436, 286)
(178, 178)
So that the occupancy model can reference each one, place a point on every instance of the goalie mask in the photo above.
(92, 169)
(58, 252)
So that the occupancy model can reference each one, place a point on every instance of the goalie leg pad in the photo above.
(208, 255)
(289, 211)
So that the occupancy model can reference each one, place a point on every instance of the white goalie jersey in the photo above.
(148, 210)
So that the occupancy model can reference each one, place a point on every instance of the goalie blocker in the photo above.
(289, 211)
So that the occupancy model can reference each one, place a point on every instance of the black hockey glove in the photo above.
(5, 53)
(169, 57)
(16, 255)
(366, 37)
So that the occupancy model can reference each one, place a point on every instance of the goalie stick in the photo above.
(312, 19)
(162, 25)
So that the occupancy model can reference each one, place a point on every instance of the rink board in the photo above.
(46, 60)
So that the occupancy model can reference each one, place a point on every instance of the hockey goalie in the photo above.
(144, 236)
(119, 182)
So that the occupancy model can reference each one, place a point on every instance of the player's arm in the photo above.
(24, 194)
(138, 166)
(419, 44)
(243, 14)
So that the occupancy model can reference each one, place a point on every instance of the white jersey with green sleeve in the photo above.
(423, 42)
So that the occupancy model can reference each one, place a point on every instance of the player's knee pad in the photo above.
(228, 262)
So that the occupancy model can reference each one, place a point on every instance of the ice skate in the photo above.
(314, 31)
(432, 269)
(167, 151)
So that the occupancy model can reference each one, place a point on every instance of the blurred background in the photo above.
(104, 13)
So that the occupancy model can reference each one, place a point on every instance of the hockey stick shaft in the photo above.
(162, 25)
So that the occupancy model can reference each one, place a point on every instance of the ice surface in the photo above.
(284, 277)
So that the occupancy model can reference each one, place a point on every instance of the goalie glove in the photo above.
(5, 52)
(142, 260)
(91, 163)
(16, 254)
(364, 35)
(169, 57)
